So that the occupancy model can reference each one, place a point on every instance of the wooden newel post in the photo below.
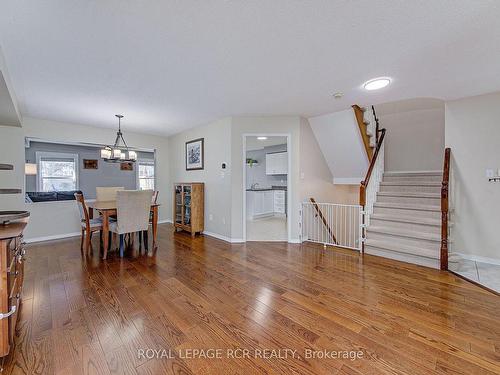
(444, 210)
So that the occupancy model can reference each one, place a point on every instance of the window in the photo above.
(57, 171)
(146, 175)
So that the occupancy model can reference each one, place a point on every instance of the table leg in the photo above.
(155, 226)
(105, 229)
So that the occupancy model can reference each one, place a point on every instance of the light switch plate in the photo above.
(489, 173)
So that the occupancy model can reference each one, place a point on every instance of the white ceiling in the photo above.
(169, 65)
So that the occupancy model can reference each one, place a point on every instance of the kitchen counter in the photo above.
(268, 189)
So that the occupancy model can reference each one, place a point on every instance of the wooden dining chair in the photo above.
(132, 209)
(143, 236)
(88, 225)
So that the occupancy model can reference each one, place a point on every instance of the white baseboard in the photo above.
(348, 180)
(477, 258)
(237, 240)
(53, 237)
(68, 235)
(295, 240)
(218, 236)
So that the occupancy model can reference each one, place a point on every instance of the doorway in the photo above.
(266, 187)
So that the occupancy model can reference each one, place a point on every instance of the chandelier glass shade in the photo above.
(119, 152)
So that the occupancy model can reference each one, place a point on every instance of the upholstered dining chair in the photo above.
(107, 193)
(88, 225)
(132, 209)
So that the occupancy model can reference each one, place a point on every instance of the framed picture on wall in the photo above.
(127, 166)
(195, 154)
(90, 164)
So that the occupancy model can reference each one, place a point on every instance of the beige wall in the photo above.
(415, 134)
(217, 143)
(473, 133)
(50, 219)
(315, 179)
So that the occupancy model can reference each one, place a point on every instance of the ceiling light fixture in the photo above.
(261, 138)
(376, 83)
(119, 152)
(338, 95)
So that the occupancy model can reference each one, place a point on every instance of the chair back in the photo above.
(155, 196)
(132, 209)
(82, 208)
(107, 193)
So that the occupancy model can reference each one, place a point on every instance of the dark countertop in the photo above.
(267, 189)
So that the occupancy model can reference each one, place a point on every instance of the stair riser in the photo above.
(412, 179)
(406, 212)
(408, 241)
(427, 262)
(431, 229)
(409, 200)
(410, 189)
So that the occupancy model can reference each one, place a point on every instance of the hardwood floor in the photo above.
(88, 316)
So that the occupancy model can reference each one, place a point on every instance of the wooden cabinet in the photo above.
(277, 163)
(189, 207)
(11, 284)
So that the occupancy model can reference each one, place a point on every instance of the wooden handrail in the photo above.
(364, 183)
(358, 112)
(320, 214)
(444, 210)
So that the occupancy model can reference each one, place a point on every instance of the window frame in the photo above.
(56, 155)
(148, 162)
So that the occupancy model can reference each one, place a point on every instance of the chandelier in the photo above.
(119, 152)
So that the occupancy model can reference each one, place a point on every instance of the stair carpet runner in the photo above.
(406, 221)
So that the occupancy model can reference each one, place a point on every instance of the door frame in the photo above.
(288, 137)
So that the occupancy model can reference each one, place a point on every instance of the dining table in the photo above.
(108, 209)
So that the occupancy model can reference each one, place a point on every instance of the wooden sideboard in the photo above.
(189, 207)
(12, 273)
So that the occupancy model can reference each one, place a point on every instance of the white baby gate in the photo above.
(332, 224)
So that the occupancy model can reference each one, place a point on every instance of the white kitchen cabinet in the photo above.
(260, 203)
(277, 163)
(279, 202)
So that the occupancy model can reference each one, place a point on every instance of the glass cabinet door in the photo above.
(178, 204)
(187, 205)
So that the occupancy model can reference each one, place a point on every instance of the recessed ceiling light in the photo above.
(376, 83)
(261, 138)
(338, 95)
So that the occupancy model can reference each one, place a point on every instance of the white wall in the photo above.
(473, 133)
(217, 144)
(60, 218)
(316, 180)
(341, 143)
(415, 134)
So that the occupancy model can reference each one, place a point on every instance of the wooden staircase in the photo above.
(406, 213)
(368, 128)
